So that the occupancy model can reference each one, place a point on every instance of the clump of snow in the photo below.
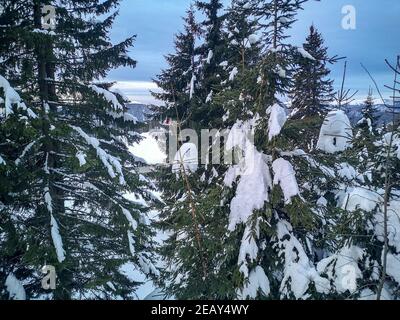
(257, 282)
(57, 240)
(305, 53)
(336, 133)
(277, 120)
(385, 142)
(298, 271)
(15, 288)
(131, 242)
(342, 268)
(285, 176)
(255, 178)
(252, 189)
(363, 199)
(81, 158)
(2, 162)
(209, 56)
(149, 149)
(347, 171)
(253, 39)
(133, 223)
(146, 265)
(223, 64)
(187, 158)
(233, 74)
(280, 71)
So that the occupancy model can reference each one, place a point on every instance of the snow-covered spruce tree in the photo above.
(210, 55)
(71, 198)
(194, 252)
(312, 90)
(364, 263)
(278, 194)
(367, 134)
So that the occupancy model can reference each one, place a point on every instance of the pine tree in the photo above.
(312, 91)
(211, 53)
(73, 196)
(175, 81)
(276, 192)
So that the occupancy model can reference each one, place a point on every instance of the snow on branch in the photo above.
(12, 97)
(108, 160)
(108, 96)
(255, 178)
(277, 120)
(285, 176)
(24, 152)
(15, 288)
(342, 268)
(55, 232)
(111, 98)
(57, 240)
(298, 271)
(305, 54)
(257, 282)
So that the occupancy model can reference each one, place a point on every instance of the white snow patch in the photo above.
(81, 158)
(336, 133)
(192, 86)
(285, 176)
(15, 288)
(12, 97)
(277, 120)
(255, 178)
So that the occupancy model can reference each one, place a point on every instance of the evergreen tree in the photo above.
(366, 137)
(312, 91)
(211, 53)
(72, 197)
(175, 81)
(279, 194)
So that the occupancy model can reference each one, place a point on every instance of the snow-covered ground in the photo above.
(150, 150)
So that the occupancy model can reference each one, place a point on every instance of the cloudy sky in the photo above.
(375, 39)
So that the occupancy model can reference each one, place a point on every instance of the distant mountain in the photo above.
(140, 111)
(384, 114)
(353, 111)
